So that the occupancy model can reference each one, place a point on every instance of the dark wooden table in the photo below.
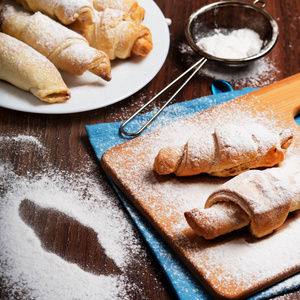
(70, 152)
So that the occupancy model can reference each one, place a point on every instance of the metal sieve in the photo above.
(228, 16)
(224, 16)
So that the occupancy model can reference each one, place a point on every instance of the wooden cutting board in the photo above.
(235, 265)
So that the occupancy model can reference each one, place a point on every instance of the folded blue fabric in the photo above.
(106, 135)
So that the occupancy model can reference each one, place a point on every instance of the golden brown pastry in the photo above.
(30, 71)
(136, 12)
(66, 49)
(258, 199)
(228, 151)
(66, 11)
(115, 33)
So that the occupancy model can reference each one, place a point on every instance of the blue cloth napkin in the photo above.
(106, 135)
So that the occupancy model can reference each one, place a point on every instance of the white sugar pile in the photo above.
(26, 267)
(240, 43)
(257, 73)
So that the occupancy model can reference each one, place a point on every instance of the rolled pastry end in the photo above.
(137, 13)
(86, 15)
(167, 160)
(52, 89)
(221, 218)
(102, 68)
(143, 45)
(55, 97)
(78, 58)
(286, 138)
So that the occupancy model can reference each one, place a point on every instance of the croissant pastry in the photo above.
(66, 49)
(136, 12)
(115, 33)
(30, 71)
(228, 151)
(258, 199)
(66, 11)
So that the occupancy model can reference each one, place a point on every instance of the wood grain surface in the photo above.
(69, 149)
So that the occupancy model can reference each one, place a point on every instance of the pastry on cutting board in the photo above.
(136, 12)
(229, 150)
(258, 199)
(115, 33)
(30, 71)
(66, 11)
(66, 49)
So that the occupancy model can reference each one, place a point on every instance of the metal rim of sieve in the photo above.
(221, 4)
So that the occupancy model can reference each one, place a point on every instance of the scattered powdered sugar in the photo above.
(253, 74)
(165, 199)
(241, 263)
(240, 43)
(24, 139)
(254, 260)
(26, 267)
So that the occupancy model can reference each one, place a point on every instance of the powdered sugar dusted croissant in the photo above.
(258, 199)
(115, 33)
(29, 70)
(131, 7)
(66, 11)
(228, 151)
(66, 49)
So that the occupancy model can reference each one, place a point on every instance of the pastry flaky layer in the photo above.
(115, 33)
(260, 200)
(65, 11)
(66, 49)
(30, 71)
(68, 11)
(230, 150)
(131, 7)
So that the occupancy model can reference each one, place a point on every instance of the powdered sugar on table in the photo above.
(27, 268)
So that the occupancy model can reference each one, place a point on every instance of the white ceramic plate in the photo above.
(91, 92)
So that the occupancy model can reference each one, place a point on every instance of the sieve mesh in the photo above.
(227, 16)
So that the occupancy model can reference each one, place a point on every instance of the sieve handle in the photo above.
(196, 66)
(263, 3)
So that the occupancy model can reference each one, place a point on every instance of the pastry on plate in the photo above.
(30, 71)
(115, 33)
(66, 49)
